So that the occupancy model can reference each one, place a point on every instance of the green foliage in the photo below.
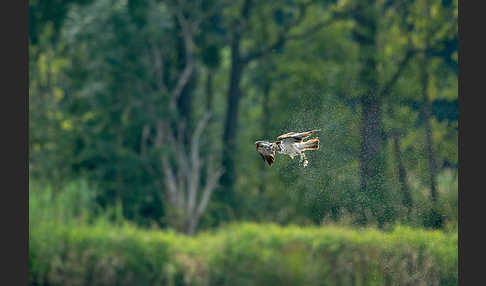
(100, 78)
(100, 255)
(241, 254)
(93, 89)
(72, 242)
(74, 203)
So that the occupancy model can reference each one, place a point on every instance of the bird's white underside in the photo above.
(289, 147)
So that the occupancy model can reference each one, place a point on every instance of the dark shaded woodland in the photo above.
(157, 105)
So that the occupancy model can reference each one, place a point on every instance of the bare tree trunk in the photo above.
(191, 228)
(434, 219)
(371, 155)
(402, 175)
(426, 113)
(184, 103)
(372, 163)
(229, 136)
(234, 95)
(184, 194)
(187, 198)
(209, 91)
(185, 99)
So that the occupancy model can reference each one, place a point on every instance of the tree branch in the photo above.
(188, 30)
(170, 181)
(281, 38)
(313, 29)
(194, 175)
(159, 69)
(404, 62)
(285, 35)
(211, 184)
(143, 139)
(401, 67)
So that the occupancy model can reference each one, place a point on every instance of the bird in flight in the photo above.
(291, 144)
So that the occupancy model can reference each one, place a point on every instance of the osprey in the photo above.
(291, 144)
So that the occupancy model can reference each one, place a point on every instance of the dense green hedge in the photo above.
(241, 254)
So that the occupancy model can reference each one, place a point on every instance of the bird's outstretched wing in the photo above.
(297, 137)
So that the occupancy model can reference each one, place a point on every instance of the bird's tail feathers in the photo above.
(312, 144)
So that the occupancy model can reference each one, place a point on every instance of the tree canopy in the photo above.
(158, 104)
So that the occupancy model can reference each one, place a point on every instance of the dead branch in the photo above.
(183, 182)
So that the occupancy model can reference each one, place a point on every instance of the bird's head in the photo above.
(263, 146)
(261, 143)
(258, 144)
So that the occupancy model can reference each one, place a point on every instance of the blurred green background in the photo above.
(143, 117)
